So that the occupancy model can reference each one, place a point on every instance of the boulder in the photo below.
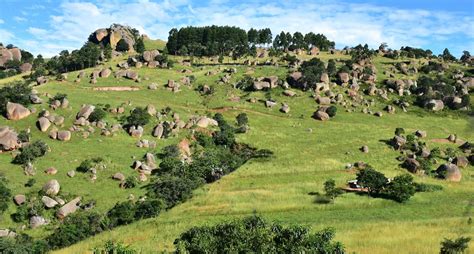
(19, 199)
(43, 124)
(26, 67)
(461, 161)
(364, 149)
(51, 171)
(411, 165)
(323, 100)
(320, 115)
(51, 188)
(452, 138)
(49, 202)
(158, 131)
(343, 77)
(71, 173)
(64, 135)
(421, 134)
(136, 132)
(270, 104)
(118, 177)
(85, 111)
(105, 73)
(449, 172)
(204, 122)
(435, 105)
(7, 233)
(150, 160)
(132, 75)
(151, 110)
(153, 86)
(398, 142)
(16, 111)
(41, 80)
(184, 149)
(285, 108)
(8, 139)
(324, 78)
(260, 85)
(100, 34)
(272, 80)
(37, 221)
(68, 208)
(289, 93)
(35, 99)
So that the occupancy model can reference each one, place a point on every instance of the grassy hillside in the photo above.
(307, 153)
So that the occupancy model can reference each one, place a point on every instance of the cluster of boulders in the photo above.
(264, 83)
(112, 35)
(12, 54)
(145, 167)
(51, 200)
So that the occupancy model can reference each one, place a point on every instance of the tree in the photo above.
(253, 36)
(371, 179)
(30, 152)
(97, 115)
(5, 195)
(331, 69)
(121, 214)
(138, 117)
(242, 119)
(331, 190)
(447, 55)
(122, 45)
(16, 92)
(457, 246)
(466, 57)
(298, 41)
(265, 36)
(401, 188)
(361, 53)
(172, 44)
(39, 61)
(139, 45)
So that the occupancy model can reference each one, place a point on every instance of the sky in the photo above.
(48, 26)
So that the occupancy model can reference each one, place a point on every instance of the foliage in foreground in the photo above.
(456, 246)
(255, 235)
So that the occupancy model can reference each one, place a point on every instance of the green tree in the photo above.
(447, 55)
(331, 190)
(5, 195)
(332, 69)
(466, 56)
(139, 45)
(17, 92)
(401, 188)
(371, 179)
(253, 36)
(138, 117)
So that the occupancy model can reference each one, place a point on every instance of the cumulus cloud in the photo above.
(345, 23)
(19, 19)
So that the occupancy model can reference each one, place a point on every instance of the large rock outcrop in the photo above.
(114, 34)
(9, 55)
(8, 139)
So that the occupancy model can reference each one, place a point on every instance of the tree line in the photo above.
(226, 40)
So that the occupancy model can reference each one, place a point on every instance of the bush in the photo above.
(331, 190)
(30, 182)
(121, 214)
(242, 119)
(30, 152)
(87, 164)
(401, 188)
(97, 115)
(75, 228)
(24, 136)
(456, 246)
(173, 189)
(138, 117)
(22, 244)
(331, 111)
(149, 208)
(5, 195)
(255, 235)
(425, 187)
(16, 92)
(130, 182)
(111, 247)
(399, 131)
(59, 97)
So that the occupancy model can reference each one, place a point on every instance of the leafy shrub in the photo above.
(130, 182)
(331, 190)
(242, 119)
(255, 235)
(24, 136)
(30, 152)
(75, 228)
(30, 182)
(331, 111)
(59, 97)
(121, 214)
(97, 115)
(456, 246)
(149, 208)
(5, 195)
(401, 188)
(87, 164)
(22, 244)
(173, 189)
(111, 247)
(138, 117)
(399, 131)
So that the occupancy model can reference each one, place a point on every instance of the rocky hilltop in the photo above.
(114, 34)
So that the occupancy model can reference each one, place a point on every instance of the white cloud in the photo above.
(345, 23)
(6, 37)
(19, 19)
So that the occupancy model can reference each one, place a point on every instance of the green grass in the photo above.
(277, 189)
(154, 44)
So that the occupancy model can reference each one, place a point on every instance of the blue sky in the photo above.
(49, 26)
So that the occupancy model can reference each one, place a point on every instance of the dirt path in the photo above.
(116, 88)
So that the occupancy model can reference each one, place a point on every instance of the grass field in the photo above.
(307, 153)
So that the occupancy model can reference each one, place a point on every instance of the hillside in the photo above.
(306, 153)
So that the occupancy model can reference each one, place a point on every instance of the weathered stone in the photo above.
(8, 139)
(158, 131)
(204, 122)
(43, 124)
(71, 173)
(51, 171)
(449, 172)
(37, 221)
(16, 111)
(19, 199)
(461, 161)
(49, 202)
(285, 108)
(85, 111)
(51, 188)
(118, 177)
(68, 208)
(320, 115)
(421, 134)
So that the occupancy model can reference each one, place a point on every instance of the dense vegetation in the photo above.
(255, 235)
